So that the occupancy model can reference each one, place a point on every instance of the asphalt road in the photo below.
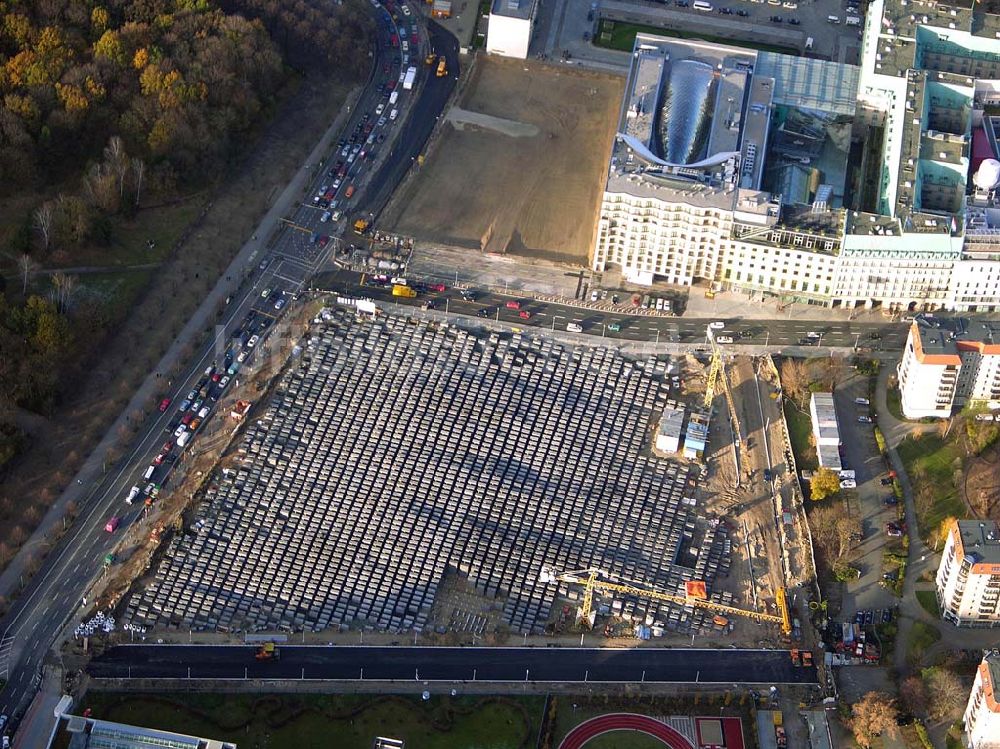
(661, 329)
(55, 595)
(454, 664)
(420, 122)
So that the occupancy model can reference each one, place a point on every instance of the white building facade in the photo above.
(968, 577)
(982, 714)
(928, 245)
(947, 364)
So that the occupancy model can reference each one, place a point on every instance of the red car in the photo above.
(187, 418)
(164, 405)
(436, 286)
(513, 305)
(524, 314)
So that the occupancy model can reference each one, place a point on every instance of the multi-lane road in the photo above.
(600, 319)
(718, 666)
(56, 595)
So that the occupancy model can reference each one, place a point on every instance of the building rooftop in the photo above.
(981, 540)
(523, 9)
(946, 338)
(672, 422)
(991, 665)
(88, 733)
(825, 424)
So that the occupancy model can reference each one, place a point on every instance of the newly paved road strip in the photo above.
(724, 666)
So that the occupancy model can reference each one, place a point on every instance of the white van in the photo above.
(833, 19)
(393, 96)
(183, 439)
(702, 6)
(574, 327)
(862, 401)
(393, 114)
(724, 339)
(148, 473)
(132, 494)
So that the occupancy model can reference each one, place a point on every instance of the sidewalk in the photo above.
(39, 723)
(85, 484)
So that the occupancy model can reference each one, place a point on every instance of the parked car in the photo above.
(864, 419)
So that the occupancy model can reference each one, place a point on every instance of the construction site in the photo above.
(518, 165)
(405, 476)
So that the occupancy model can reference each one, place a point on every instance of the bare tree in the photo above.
(117, 160)
(41, 220)
(63, 286)
(913, 695)
(138, 170)
(946, 692)
(846, 528)
(27, 266)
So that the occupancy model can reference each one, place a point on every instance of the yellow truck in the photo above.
(404, 291)
(442, 70)
(360, 226)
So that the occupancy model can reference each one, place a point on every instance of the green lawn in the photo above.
(624, 740)
(622, 37)
(922, 636)
(932, 461)
(117, 290)
(799, 430)
(928, 600)
(306, 721)
(893, 400)
(129, 245)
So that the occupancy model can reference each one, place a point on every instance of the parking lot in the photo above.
(393, 453)
(874, 500)
(570, 25)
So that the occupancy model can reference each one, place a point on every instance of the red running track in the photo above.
(624, 722)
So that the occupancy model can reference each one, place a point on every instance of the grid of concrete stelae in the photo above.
(392, 453)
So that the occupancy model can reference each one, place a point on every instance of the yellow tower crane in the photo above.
(591, 580)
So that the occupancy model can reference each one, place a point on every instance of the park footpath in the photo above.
(85, 485)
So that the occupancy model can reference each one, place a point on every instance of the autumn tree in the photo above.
(795, 379)
(873, 715)
(824, 483)
(940, 534)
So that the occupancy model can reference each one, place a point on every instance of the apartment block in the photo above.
(947, 364)
(982, 714)
(968, 578)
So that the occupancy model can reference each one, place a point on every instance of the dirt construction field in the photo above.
(520, 165)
